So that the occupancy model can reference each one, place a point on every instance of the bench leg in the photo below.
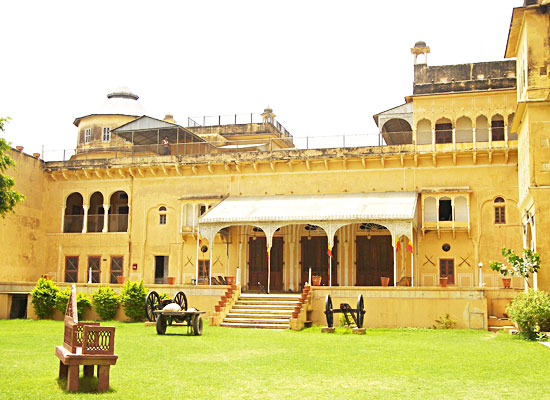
(72, 379)
(102, 378)
(88, 370)
(63, 370)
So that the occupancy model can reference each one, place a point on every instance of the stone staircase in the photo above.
(264, 311)
(501, 324)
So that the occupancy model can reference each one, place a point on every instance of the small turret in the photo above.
(420, 48)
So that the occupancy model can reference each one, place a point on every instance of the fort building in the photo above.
(456, 172)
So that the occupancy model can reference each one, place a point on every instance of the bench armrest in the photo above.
(98, 339)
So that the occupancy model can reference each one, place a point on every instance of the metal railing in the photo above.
(235, 119)
(463, 139)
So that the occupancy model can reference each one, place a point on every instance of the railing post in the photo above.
(307, 142)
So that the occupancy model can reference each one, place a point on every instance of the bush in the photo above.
(531, 312)
(446, 322)
(44, 298)
(132, 298)
(105, 302)
(82, 302)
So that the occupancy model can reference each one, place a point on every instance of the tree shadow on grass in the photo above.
(86, 384)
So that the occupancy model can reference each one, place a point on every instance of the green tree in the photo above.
(8, 197)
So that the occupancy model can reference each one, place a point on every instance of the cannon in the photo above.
(357, 315)
(154, 310)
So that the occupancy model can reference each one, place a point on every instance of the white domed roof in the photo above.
(121, 101)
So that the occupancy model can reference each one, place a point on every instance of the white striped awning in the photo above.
(361, 207)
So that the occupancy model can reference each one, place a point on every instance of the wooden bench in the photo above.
(87, 344)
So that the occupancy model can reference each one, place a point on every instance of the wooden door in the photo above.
(276, 264)
(446, 269)
(314, 256)
(374, 259)
(257, 262)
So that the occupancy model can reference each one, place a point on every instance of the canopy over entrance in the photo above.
(394, 210)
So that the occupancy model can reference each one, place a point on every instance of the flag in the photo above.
(199, 238)
(410, 247)
(329, 252)
(397, 245)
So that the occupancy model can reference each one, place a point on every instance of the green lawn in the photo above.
(246, 363)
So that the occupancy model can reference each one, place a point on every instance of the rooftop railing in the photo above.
(235, 119)
(425, 142)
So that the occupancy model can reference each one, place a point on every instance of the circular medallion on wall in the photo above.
(446, 247)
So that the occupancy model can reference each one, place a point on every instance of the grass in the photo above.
(241, 363)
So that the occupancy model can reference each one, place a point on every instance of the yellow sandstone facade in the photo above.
(467, 155)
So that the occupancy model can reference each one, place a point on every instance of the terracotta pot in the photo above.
(384, 280)
(47, 277)
(297, 309)
(230, 280)
(222, 302)
(234, 288)
(37, 155)
(120, 279)
(443, 281)
(294, 315)
(171, 280)
(507, 283)
(316, 280)
(20, 148)
(218, 308)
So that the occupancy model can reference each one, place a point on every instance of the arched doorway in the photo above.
(374, 255)
(315, 255)
(118, 212)
(258, 261)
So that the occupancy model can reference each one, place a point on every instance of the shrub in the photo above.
(446, 322)
(531, 312)
(105, 302)
(82, 301)
(132, 298)
(44, 298)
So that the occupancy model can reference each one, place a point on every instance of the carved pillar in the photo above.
(85, 222)
(63, 218)
(105, 218)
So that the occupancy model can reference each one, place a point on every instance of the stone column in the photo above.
(85, 222)
(105, 218)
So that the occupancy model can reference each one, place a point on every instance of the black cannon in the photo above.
(357, 315)
(154, 310)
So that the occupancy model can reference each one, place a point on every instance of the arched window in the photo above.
(443, 131)
(162, 215)
(497, 128)
(118, 212)
(74, 213)
(482, 129)
(461, 209)
(500, 210)
(96, 213)
(430, 210)
(464, 133)
(445, 209)
(424, 132)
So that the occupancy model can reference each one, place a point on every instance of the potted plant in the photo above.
(171, 280)
(316, 280)
(443, 281)
(517, 266)
(120, 279)
(384, 280)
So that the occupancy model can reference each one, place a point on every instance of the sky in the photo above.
(325, 67)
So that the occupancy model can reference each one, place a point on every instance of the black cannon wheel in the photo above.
(197, 325)
(161, 325)
(328, 311)
(360, 311)
(181, 300)
(152, 303)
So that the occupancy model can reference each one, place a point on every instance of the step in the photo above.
(261, 310)
(256, 315)
(277, 302)
(258, 320)
(507, 328)
(499, 321)
(270, 296)
(257, 326)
